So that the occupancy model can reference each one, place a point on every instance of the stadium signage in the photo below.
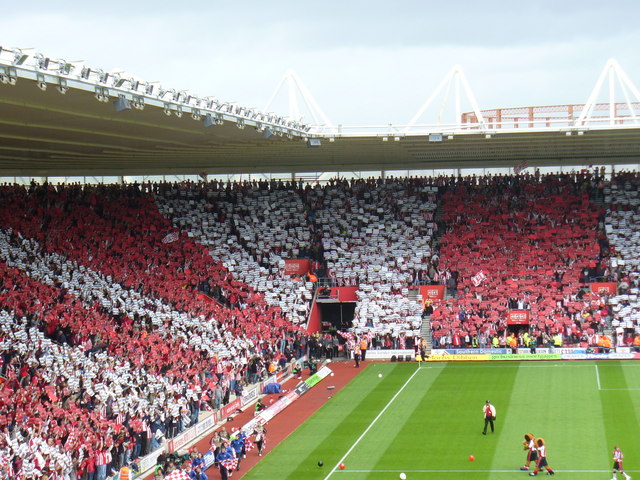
(150, 460)
(206, 424)
(466, 351)
(489, 357)
(526, 356)
(250, 395)
(230, 408)
(432, 292)
(298, 266)
(518, 317)
(182, 439)
(600, 356)
(604, 288)
(209, 459)
(387, 354)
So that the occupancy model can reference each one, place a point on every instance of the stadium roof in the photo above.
(46, 133)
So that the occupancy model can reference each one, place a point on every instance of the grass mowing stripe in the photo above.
(620, 414)
(446, 426)
(330, 430)
(440, 426)
(559, 404)
(401, 420)
(373, 422)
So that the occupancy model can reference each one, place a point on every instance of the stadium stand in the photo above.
(533, 239)
(623, 233)
(126, 310)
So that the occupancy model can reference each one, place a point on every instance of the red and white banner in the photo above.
(230, 408)
(518, 317)
(608, 288)
(171, 237)
(478, 278)
(298, 266)
(521, 167)
(432, 292)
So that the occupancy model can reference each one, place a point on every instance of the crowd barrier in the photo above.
(209, 421)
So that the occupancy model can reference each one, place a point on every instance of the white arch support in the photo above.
(616, 77)
(455, 78)
(297, 89)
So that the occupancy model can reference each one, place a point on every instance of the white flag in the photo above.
(478, 278)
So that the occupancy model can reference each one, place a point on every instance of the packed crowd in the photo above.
(375, 234)
(108, 346)
(521, 241)
(622, 225)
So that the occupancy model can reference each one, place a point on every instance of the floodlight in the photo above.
(43, 62)
(167, 109)
(64, 67)
(42, 84)
(138, 102)
(208, 121)
(19, 58)
(179, 111)
(313, 142)
(8, 75)
(267, 133)
(62, 86)
(85, 73)
(122, 104)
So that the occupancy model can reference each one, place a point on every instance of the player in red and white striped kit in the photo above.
(617, 463)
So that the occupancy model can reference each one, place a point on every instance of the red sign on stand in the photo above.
(608, 288)
(518, 317)
(432, 292)
(298, 266)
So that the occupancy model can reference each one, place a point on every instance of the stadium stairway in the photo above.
(425, 327)
(425, 333)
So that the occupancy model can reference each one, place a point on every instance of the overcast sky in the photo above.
(365, 62)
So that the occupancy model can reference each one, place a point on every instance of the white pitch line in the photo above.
(598, 377)
(473, 471)
(371, 424)
(566, 365)
(622, 389)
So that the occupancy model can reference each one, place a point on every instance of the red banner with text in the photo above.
(518, 317)
(432, 292)
(607, 288)
(298, 266)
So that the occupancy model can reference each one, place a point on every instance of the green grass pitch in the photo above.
(426, 421)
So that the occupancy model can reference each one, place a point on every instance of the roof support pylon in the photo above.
(297, 89)
(611, 71)
(457, 79)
